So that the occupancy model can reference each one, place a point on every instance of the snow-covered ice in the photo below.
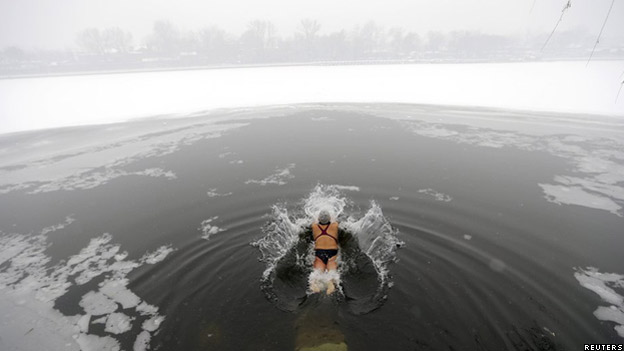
(38, 103)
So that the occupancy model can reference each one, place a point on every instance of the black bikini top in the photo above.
(324, 232)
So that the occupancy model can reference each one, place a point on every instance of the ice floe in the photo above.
(212, 192)
(596, 160)
(87, 163)
(436, 195)
(610, 288)
(570, 86)
(280, 177)
(29, 288)
(208, 229)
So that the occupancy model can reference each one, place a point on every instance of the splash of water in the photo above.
(289, 254)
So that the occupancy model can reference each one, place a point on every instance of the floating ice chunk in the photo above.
(280, 177)
(146, 309)
(142, 341)
(576, 195)
(212, 192)
(497, 265)
(101, 320)
(394, 198)
(606, 285)
(68, 220)
(597, 282)
(27, 322)
(612, 314)
(83, 323)
(321, 119)
(209, 229)
(26, 272)
(96, 303)
(467, 237)
(436, 195)
(156, 172)
(153, 323)
(92, 179)
(118, 323)
(97, 343)
(118, 291)
(160, 254)
(620, 330)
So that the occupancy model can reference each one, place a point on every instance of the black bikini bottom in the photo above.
(325, 255)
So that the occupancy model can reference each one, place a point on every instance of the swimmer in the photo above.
(325, 235)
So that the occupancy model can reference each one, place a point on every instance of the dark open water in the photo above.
(510, 227)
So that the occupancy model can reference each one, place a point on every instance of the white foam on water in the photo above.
(377, 238)
(321, 119)
(375, 235)
(610, 288)
(320, 281)
(280, 177)
(326, 198)
(29, 289)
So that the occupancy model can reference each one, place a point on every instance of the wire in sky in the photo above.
(599, 34)
(565, 8)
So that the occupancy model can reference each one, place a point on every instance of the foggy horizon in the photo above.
(46, 25)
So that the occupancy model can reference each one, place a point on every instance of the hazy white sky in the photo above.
(52, 24)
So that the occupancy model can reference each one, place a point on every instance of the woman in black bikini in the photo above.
(325, 234)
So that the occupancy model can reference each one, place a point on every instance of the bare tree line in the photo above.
(260, 43)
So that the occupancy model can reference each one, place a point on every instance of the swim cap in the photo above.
(324, 217)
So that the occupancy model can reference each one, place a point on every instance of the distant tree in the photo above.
(107, 41)
(91, 40)
(308, 29)
(335, 46)
(116, 40)
(412, 43)
(367, 40)
(216, 45)
(165, 38)
(307, 38)
(12, 54)
(436, 41)
(258, 41)
(403, 44)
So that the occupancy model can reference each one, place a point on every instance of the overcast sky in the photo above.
(53, 24)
